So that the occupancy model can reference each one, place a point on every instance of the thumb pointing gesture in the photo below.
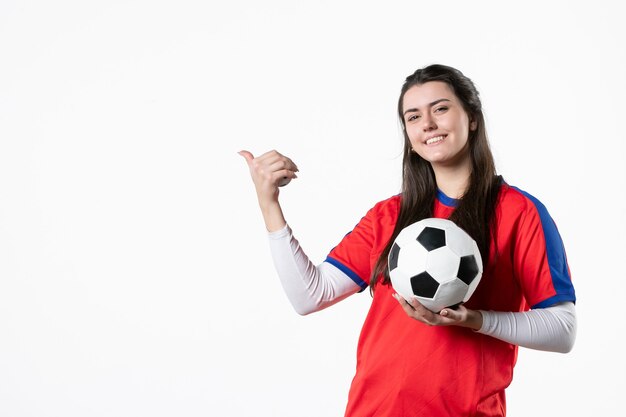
(269, 171)
(247, 155)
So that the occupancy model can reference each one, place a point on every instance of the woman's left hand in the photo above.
(447, 317)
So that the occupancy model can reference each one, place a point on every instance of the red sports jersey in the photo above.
(406, 368)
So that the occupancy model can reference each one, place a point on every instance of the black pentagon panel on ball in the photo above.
(468, 269)
(423, 285)
(432, 238)
(393, 257)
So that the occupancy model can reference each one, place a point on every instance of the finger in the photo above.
(283, 164)
(404, 304)
(450, 314)
(283, 177)
(427, 316)
(270, 157)
(247, 156)
(457, 313)
(419, 307)
(266, 168)
(401, 300)
(273, 157)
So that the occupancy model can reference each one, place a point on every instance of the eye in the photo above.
(441, 109)
(413, 117)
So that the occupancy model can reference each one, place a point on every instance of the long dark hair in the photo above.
(474, 212)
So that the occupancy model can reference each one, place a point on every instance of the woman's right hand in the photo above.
(270, 171)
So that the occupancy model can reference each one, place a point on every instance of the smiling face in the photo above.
(436, 124)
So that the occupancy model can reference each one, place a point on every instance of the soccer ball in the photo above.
(435, 261)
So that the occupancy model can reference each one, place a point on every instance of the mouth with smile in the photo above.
(435, 139)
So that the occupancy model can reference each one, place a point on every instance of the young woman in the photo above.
(411, 361)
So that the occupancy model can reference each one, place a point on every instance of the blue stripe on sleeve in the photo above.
(350, 273)
(556, 257)
(559, 298)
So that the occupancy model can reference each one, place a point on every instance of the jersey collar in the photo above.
(445, 200)
(453, 202)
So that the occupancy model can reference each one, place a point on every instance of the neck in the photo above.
(453, 180)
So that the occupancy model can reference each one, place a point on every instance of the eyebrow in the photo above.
(429, 105)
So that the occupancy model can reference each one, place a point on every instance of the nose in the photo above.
(428, 123)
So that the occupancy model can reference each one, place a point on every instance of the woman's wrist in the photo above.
(273, 216)
(474, 320)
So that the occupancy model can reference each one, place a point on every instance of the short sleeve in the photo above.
(359, 250)
(540, 262)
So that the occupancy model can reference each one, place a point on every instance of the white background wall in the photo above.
(135, 277)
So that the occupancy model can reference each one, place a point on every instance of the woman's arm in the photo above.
(270, 171)
(309, 288)
(552, 329)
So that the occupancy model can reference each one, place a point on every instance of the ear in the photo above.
(473, 125)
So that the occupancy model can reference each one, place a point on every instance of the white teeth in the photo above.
(434, 140)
